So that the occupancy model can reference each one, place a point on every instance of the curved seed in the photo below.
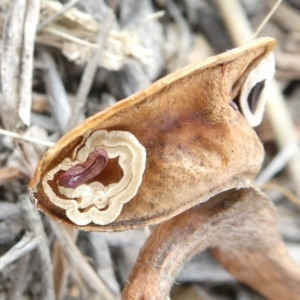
(83, 172)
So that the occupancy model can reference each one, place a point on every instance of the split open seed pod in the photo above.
(163, 150)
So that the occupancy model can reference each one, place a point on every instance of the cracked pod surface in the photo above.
(170, 146)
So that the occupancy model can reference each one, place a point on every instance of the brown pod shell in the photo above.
(197, 144)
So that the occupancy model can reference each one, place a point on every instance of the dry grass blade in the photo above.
(26, 138)
(286, 16)
(266, 19)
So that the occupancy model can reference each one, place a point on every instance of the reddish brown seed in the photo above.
(83, 172)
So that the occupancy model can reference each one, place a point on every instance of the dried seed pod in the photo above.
(195, 145)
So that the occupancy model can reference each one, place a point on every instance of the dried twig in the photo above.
(70, 37)
(25, 245)
(90, 71)
(56, 92)
(16, 63)
(35, 224)
(20, 280)
(105, 262)
(75, 258)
